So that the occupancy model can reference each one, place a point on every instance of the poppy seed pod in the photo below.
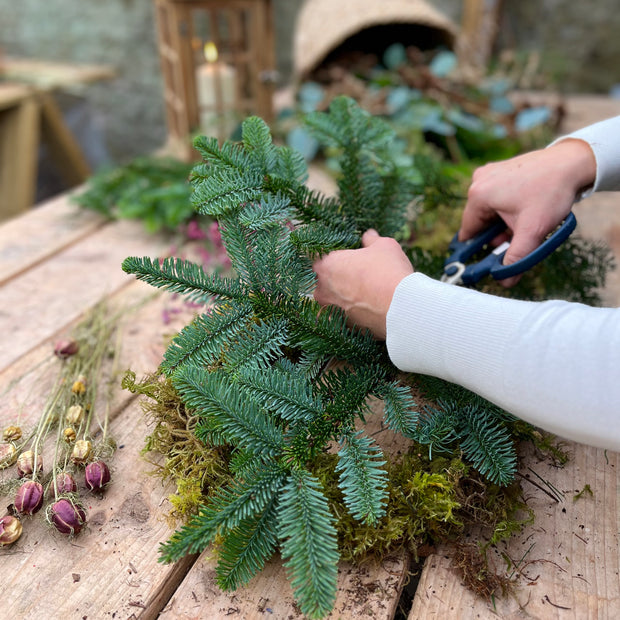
(97, 475)
(29, 498)
(25, 464)
(12, 433)
(8, 455)
(81, 452)
(66, 348)
(10, 530)
(67, 517)
(65, 483)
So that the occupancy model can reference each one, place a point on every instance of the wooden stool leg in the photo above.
(19, 151)
(64, 149)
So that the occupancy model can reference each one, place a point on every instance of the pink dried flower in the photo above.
(10, 530)
(97, 475)
(67, 517)
(214, 235)
(66, 348)
(193, 231)
(65, 483)
(29, 497)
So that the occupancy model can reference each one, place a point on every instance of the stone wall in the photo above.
(579, 39)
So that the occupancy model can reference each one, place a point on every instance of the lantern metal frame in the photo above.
(243, 33)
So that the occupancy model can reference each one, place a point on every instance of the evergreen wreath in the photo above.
(275, 378)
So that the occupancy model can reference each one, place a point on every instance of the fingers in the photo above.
(369, 237)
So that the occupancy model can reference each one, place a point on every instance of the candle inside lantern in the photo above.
(216, 90)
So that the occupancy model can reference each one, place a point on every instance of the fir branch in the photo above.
(320, 331)
(226, 157)
(487, 444)
(184, 277)
(202, 341)
(399, 409)
(290, 166)
(226, 510)
(308, 542)
(436, 429)
(317, 239)
(216, 399)
(261, 345)
(246, 548)
(284, 392)
(222, 191)
(363, 480)
(271, 211)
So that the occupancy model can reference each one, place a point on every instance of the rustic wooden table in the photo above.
(57, 263)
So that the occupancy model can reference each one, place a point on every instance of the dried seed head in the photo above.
(82, 451)
(78, 387)
(65, 483)
(29, 497)
(10, 530)
(69, 435)
(74, 415)
(25, 464)
(66, 348)
(67, 517)
(12, 433)
(8, 455)
(97, 475)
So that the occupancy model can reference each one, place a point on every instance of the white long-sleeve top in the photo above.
(555, 364)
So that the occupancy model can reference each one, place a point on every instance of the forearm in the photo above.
(553, 364)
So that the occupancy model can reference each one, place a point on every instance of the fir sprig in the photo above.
(252, 367)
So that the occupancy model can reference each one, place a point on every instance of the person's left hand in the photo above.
(362, 282)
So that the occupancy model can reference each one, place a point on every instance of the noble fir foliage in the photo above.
(275, 378)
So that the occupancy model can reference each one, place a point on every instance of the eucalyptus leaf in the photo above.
(443, 63)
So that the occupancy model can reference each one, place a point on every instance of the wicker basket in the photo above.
(322, 25)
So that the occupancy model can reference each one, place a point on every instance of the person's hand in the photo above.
(362, 282)
(532, 193)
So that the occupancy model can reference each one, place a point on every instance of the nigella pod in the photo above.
(29, 498)
(10, 530)
(65, 483)
(25, 464)
(67, 517)
(97, 475)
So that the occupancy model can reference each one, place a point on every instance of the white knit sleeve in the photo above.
(555, 364)
(604, 140)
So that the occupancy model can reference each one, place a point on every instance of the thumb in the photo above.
(520, 246)
(369, 237)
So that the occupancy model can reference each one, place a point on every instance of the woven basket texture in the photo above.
(323, 25)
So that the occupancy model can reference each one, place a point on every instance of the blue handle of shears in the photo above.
(492, 264)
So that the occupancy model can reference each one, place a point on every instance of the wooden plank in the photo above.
(56, 292)
(369, 590)
(48, 75)
(34, 236)
(567, 561)
(111, 569)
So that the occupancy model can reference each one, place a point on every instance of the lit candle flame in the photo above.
(210, 51)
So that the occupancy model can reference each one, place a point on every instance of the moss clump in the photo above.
(430, 501)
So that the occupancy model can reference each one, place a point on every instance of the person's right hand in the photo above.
(532, 193)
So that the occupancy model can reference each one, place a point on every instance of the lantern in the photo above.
(218, 60)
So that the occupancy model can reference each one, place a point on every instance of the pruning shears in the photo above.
(456, 271)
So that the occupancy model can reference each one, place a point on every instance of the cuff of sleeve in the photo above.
(603, 139)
